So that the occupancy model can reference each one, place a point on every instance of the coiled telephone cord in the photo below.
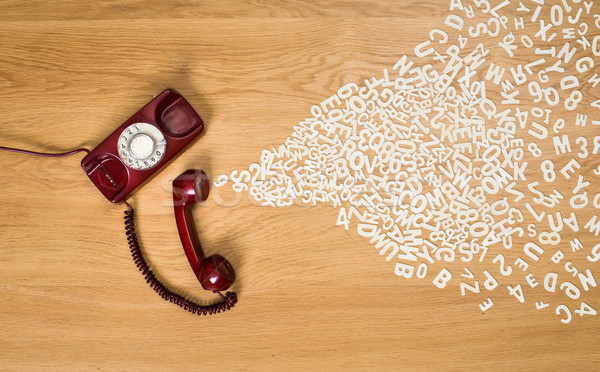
(229, 299)
(227, 303)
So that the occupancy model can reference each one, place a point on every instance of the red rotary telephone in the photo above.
(129, 157)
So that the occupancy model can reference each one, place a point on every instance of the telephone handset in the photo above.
(142, 145)
(130, 156)
(215, 273)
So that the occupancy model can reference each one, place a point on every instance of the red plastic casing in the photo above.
(215, 273)
(189, 188)
(177, 121)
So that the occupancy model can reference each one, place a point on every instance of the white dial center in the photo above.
(141, 146)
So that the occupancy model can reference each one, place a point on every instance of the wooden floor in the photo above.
(311, 294)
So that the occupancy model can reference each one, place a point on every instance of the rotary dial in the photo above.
(141, 146)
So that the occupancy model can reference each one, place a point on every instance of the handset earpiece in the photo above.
(215, 273)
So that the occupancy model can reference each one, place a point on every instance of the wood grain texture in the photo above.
(310, 294)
